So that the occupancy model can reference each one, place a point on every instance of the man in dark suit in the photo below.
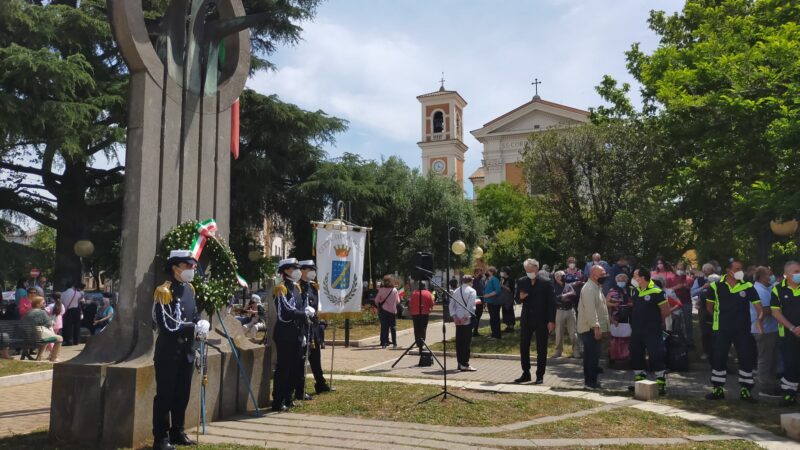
(538, 318)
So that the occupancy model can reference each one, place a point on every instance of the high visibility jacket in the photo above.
(788, 301)
(732, 304)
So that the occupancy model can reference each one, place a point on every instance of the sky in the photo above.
(366, 61)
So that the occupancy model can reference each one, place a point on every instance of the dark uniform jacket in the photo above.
(732, 304)
(539, 307)
(176, 340)
(646, 309)
(291, 308)
(788, 301)
(317, 327)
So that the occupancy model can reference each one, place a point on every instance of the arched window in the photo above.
(438, 122)
(458, 125)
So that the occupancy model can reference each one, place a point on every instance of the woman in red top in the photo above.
(420, 311)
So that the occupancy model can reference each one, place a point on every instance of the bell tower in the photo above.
(442, 134)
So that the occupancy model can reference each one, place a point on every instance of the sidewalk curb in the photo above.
(26, 378)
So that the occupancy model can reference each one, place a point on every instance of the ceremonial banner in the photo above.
(340, 264)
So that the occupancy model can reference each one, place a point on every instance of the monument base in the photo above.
(111, 405)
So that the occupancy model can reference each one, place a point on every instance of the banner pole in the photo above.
(333, 349)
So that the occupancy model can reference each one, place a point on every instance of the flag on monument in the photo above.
(340, 264)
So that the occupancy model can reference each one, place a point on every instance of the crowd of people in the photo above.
(642, 314)
(58, 317)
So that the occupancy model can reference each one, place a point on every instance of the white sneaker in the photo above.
(460, 368)
(468, 369)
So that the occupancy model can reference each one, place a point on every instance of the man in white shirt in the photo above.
(462, 310)
(592, 323)
(73, 300)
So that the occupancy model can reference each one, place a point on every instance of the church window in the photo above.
(458, 126)
(438, 122)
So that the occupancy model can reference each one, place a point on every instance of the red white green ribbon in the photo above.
(242, 282)
(205, 229)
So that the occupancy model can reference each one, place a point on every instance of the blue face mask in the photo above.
(796, 278)
(772, 279)
(621, 284)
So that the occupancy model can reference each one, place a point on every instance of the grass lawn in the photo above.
(15, 366)
(508, 345)
(764, 414)
(622, 422)
(38, 440)
(398, 402)
(362, 331)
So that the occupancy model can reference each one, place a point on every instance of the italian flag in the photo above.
(242, 282)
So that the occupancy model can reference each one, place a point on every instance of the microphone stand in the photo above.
(419, 342)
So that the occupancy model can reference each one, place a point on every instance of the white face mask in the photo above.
(738, 276)
(680, 273)
(311, 275)
(571, 265)
(502, 274)
(187, 275)
(635, 283)
(296, 275)
(531, 275)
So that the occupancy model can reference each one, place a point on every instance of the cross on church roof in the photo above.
(442, 81)
(536, 84)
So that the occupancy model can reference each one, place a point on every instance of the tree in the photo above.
(502, 206)
(281, 148)
(62, 109)
(723, 86)
(598, 187)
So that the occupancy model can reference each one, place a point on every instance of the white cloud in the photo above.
(367, 62)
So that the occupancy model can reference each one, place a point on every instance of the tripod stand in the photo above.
(419, 341)
(445, 393)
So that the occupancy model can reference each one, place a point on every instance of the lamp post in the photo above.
(458, 248)
(83, 249)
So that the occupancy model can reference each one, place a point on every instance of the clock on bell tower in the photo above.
(442, 137)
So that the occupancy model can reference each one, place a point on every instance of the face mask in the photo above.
(602, 280)
(718, 269)
(531, 275)
(738, 276)
(635, 283)
(772, 279)
(621, 284)
(680, 273)
(187, 275)
(295, 276)
(571, 265)
(312, 274)
(503, 274)
(796, 278)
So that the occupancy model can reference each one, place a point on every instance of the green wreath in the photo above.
(215, 289)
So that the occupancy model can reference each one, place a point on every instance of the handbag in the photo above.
(46, 334)
(400, 310)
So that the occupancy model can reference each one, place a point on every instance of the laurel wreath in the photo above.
(218, 283)
(336, 300)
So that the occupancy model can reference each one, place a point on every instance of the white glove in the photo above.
(202, 327)
(310, 312)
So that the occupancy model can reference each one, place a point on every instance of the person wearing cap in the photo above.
(310, 291)
(175, 314)
(290, 334)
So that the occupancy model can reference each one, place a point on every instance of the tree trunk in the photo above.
(71, 225)
(763, 244)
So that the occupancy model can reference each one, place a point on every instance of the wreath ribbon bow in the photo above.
(207, 229)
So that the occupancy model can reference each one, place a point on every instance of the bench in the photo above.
(17, 334)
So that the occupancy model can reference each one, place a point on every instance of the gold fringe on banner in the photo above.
(331, 317)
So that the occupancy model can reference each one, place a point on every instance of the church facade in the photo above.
(504, 138)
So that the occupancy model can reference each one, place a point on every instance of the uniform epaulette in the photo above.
(163, 293)
(279, 290)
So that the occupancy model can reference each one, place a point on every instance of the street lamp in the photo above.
(83, 249)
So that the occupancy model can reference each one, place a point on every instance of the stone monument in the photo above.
(186, 72)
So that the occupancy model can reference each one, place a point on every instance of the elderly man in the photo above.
(596, 260)
(565, 316)
(538, 317)
(592, 323)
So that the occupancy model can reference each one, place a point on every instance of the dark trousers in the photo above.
(388, 325)
(688, 326)
(591, 357)
(744, 344)
(298, 375)
(289, 360)
(653, 344)
(420, 328)
(494, 319)
(173, 384)
(72, 327)
(508, 315)
(476, 322)
(790, 349)
(315, 361)
(463, 342)
(526, 334)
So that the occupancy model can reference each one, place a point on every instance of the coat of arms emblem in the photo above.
(340, 268)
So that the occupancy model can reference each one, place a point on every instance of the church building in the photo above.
(503, 138)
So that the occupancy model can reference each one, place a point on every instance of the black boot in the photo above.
(322, 387)
(178, 437)
(526, 376)
(162, 444)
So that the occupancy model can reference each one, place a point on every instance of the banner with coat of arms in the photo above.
(340, 265)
